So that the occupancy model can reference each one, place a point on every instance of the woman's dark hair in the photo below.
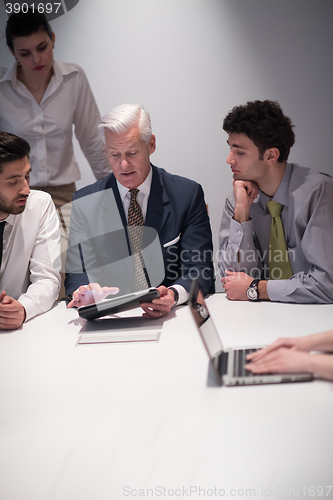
(12, 148)
(25, 24)
(265, 124)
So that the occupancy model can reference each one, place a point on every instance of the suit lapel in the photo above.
(158, 203)
(112, 184)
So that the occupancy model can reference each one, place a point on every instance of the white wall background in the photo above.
(190, 61)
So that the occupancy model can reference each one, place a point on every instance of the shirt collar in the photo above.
(144, 187)
(11, 73)
(10, 219)
(60, 69)
(282, 192)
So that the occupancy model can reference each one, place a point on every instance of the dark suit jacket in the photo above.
(176, 210)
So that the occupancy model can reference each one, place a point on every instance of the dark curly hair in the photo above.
(26, 24)
(12, 148)
(265, 124)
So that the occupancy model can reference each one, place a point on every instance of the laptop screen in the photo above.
(204, 322)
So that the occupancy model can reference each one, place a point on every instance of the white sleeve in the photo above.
(45, 264)
(86, 121)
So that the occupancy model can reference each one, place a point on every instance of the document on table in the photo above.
(128, 326)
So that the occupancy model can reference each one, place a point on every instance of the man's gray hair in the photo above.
(124, 117)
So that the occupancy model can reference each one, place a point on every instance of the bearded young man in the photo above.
(29, 239)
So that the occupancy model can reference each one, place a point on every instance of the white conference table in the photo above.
(143, 419)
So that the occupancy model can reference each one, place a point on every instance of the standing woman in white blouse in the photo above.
(40, 100)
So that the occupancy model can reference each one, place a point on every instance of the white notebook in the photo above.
(128, 326)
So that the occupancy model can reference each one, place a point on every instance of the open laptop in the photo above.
(229, 365)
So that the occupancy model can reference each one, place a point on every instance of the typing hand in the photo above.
(91, 294)
(281, 360)
(281, 356)
(294, 343)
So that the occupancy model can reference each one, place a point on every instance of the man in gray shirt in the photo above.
(260, 138)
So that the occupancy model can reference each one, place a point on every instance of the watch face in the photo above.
(252, 293)
(202, 310)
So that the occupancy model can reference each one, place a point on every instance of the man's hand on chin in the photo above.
(12, 313)
(159, 307)
(91, 294)
(236, 284)
(245, 193)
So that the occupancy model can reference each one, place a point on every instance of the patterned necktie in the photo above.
(2, 227)
(279, 265)
(135, 232)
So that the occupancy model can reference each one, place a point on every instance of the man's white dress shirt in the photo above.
(47, 126)
(31, 255)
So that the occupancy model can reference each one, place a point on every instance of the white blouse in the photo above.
(48, 126)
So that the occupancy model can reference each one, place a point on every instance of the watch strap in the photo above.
(253, 286)
(254, 282)
(175, 291)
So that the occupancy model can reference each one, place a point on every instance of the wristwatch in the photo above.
(202, 310)
(252, 292)
(175, 291)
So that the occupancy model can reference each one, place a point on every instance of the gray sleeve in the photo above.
(237, 251)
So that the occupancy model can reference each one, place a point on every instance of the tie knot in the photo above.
(274, 208)
(134, 193)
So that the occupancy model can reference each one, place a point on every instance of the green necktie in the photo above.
(279, 265)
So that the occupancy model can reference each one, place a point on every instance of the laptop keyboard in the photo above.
(240, 361)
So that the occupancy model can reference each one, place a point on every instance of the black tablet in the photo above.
(118, 304)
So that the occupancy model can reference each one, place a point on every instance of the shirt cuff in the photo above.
(183, 294)
(276, 290)
(29, 306)
(241, 234)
